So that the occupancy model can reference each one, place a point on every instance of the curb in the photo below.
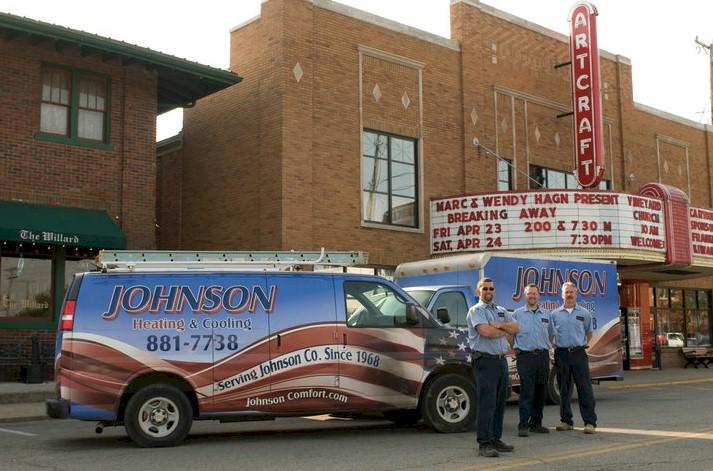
(22, 397)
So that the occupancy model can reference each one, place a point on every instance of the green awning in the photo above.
(59, 225)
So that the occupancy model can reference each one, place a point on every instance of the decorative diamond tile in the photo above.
(504, 124)
(666, 167)
(376, 92)
(298, 72)
(405, 100)
(557, 139)
(474, 117)
(537, 134)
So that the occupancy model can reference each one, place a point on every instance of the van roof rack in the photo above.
(170, 260)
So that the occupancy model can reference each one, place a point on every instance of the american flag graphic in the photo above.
(325, 367)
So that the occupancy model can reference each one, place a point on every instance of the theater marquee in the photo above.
(551, 219)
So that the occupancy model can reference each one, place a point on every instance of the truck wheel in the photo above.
(553, 387)
(448, 404)
(158, 415)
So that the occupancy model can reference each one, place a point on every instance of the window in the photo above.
(456, 305)
(55, 102)
(370, 304)
(74, 107)
(25, 288)
(389, 170)
(92, 102)
(72, 267)
(682, 317)
(541, 177)
(504, 174)
(421, 296)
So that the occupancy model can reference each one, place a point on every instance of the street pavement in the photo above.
(654, 420)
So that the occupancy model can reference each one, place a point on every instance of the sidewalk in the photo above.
(20, 402)
(670, 376)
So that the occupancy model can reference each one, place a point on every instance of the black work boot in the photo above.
(522, 431)
(488, 450)
(538, 428)
(502, 447)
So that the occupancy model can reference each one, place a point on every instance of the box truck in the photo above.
(450, 282)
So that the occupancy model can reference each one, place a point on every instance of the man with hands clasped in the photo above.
(572, 332)
(532, 346)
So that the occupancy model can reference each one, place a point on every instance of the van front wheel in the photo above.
(449, 404)
(158, 415)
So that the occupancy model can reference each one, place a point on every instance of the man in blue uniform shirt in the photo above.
(488, 329)
(573, 331)
(532, 345)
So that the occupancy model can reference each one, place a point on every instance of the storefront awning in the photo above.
(58, 225)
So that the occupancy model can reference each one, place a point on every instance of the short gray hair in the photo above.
(569, 283)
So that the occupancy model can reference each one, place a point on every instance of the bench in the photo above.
(697, 356)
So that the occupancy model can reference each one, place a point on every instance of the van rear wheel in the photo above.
(553, 387)
(449, 404)
(158, 415)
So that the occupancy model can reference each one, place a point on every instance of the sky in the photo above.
(669, 72)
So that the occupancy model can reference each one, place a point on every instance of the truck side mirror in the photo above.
(412, 314)
(442, 315)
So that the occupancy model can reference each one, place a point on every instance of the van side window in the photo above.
(371, 304)
(457, 307)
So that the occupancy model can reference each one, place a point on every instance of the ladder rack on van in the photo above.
(146, 260)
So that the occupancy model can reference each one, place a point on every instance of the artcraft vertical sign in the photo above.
(586, 95)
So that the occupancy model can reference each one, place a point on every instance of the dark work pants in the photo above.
(534, 371)
(575, 366)
(491, 381)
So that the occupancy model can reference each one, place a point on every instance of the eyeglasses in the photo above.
(486, 288)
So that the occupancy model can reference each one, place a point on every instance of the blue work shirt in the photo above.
(535, 329)
(483, 313)
(571, 329)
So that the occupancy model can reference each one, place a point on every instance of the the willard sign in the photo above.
(586, 95)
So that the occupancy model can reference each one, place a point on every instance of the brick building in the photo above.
(349, 125)
(78, 174)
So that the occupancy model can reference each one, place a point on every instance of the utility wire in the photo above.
(476, 143)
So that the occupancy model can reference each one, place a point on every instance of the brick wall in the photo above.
(274, 163)
(231, 176)
(15, 355)
(121, 181)
(169, 173)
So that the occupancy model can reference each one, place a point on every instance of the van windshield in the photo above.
(423, 296)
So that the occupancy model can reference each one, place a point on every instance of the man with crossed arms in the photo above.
(488, 329)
